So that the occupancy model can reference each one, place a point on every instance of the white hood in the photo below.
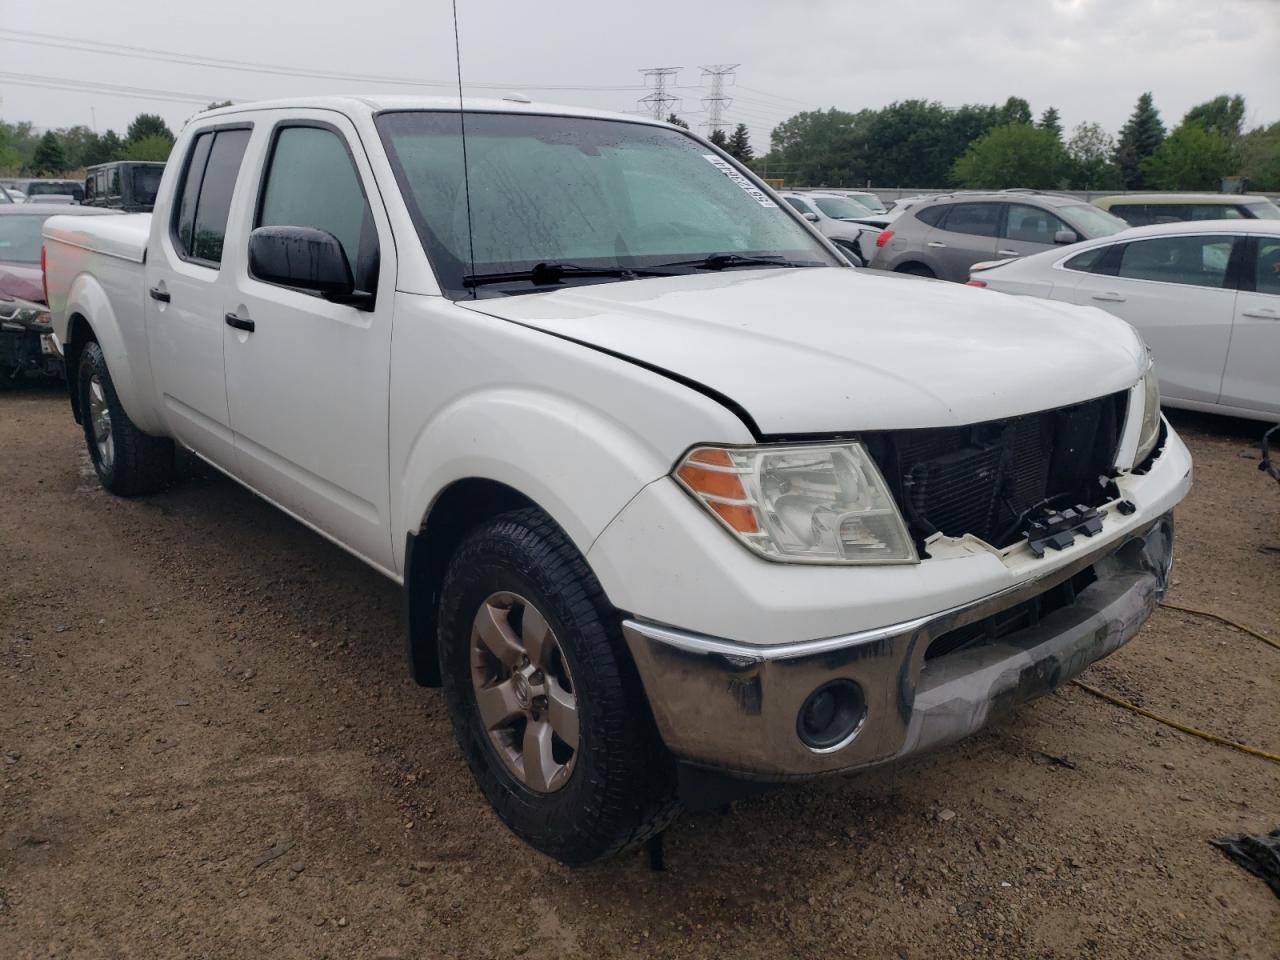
(827, 350)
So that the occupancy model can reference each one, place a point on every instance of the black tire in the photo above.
(916, 270)
(621, 788)
(138, 462)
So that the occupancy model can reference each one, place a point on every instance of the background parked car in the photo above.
(945, 236)
(5, 197)
(836, 219)
(49, 187)
(1142, 209)
(128, 185)
(24, 318)
(1204, 296)
(869, 200)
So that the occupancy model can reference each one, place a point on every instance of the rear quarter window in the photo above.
(933, 216)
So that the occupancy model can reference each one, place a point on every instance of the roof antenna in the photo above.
(462, 124)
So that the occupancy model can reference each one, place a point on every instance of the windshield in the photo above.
(841, 208)
(1091, 221)
(1264, 211)
(20, 238)
(146, 182)
(596, 195)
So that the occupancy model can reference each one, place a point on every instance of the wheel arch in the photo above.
(457, 510)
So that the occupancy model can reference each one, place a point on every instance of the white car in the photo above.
(677, 499)
(836, 217)
(1204, 295)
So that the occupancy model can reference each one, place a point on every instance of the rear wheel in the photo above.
(544, 700)
(128, 462)
(916, 270)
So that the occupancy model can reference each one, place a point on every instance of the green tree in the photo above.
(1259, 151)
(719, 138)
(740, 143)
(1014, 155)
(110, 147)
(18, 142)
(1141, 135)
(49, 157)
(910, 143)
(673, 119)
(1050, 120)
(154, 147)
(146, 125)
(809, 147)
(1191, 158)
(1015, 110)
(1090, 151)
(1223, 115)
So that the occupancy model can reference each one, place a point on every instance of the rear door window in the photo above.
(1194, 261)
(208, 183)
(975, 219)
(1267, 265)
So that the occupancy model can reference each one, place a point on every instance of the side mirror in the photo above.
(306, 258)
(810, 216)
(1065, 236)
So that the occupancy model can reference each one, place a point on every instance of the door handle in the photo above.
(1109, 297)
(935, 243)
(1007, 253)
(158, 294)
(240, 323)
(1263, 314)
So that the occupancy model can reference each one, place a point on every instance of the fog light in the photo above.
(831, 715)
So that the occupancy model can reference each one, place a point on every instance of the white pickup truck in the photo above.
(679, 500)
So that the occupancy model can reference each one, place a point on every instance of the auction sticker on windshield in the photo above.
(727, 169)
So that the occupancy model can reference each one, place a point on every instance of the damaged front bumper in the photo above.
(735, 708)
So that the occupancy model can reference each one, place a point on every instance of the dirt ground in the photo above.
(209, 748)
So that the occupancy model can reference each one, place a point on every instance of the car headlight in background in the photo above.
(1149, 433)
(22, 313)
(824, 503)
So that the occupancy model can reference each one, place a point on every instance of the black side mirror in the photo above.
(1065, 236)
(305, 258)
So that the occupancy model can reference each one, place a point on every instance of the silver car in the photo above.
(945, 236)
(836, 218)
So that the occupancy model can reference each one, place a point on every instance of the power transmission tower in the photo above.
(657, 102)
(717, 103)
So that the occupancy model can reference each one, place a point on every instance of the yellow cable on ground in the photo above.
(1221, 619)
(1211, 737)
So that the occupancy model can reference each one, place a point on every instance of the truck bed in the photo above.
(124, 236)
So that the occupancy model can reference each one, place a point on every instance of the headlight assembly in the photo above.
(1149, 433)
(824, 503)
(24, 313)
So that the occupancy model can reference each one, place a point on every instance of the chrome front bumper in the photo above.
(733, 707)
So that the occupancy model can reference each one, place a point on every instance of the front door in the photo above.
(308, 385)
(1026, 230)
(1174, 291)
(186, 287)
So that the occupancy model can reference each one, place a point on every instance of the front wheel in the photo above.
(544, 700)
(127, 461)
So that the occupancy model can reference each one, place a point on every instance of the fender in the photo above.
(574, 461)
(123, 344)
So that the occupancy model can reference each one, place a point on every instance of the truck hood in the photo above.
(829, 350)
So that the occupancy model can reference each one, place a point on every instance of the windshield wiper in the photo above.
(721, 261)
(546, 274)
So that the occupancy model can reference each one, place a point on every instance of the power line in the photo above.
(248, 66)
(776, 96)
(717, 102)
(108, 89)
(657, 103)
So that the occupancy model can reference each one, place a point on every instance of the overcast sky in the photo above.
(1089, 58)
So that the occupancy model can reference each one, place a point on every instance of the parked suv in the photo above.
(944, 237)
(128, 185)
(1143, 209)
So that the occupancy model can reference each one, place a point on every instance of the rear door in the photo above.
(966, 236)
(308, 386)
(186, 286)
(1252, 377)
(1175, 291)
(1025, 230)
